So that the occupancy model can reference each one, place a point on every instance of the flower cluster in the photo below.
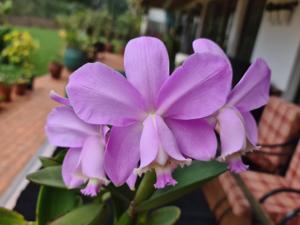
(120, 128)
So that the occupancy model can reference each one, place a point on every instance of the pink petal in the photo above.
(203, 45)
(65, 129)
(149, 142)
(70, 167)
(236, 165)
(147, 66)
(167, 140)
(251, 127)
(100, 95)
(232, 131)
(92, 156)
(122, 153)
(196, 138)
(131, 181)
(196, 89)
(252, 91)
(59, 99)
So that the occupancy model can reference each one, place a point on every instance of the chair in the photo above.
(278, 132)
(279, 196)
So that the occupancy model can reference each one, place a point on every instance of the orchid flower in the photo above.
(156, 118)
(236, 125)
(84, 161)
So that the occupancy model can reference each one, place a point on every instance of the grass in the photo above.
(50, 48)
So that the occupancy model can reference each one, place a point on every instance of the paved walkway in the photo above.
(22, 128)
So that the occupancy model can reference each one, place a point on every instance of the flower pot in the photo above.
(21, 88)
(109, 47)
(55, 69)
(30, 83)
(74, 58)
(6, 91)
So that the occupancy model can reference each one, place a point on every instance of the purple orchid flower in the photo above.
(236, 125)
(156, 118)
(84, 161)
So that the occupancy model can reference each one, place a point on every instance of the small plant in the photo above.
(9, 74)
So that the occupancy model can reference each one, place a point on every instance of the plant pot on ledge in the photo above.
(21, 87)
(6, 91)
(55, 69)
(74, 58)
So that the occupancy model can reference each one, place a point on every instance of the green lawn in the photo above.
(50, 47)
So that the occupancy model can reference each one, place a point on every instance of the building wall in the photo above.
(278, 45)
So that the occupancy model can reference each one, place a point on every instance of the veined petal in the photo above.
(196, 89)
(251, 128)
(65, 129)
(203, 45)
(122, 153)
(196, 138)
(70, 167)
(252, 91)
(232, 131)
(100, 95)
(149, 142)
(146, 66)
(167, 140)
(92, 158)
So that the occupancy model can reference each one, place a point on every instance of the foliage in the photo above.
(128, 207)
(9, 73)
(5, 7)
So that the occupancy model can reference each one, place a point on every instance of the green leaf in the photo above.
(189, 178)
(46, 162)
(8, 217)
(49, 176)
(91, 214)
(164, 216)
(55, 202)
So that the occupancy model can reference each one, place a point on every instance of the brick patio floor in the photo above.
(22, 127)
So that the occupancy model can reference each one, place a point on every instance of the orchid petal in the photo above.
(65, 129)
(92, 157)
(196, 89)
(232, 131)
(59, 99)
(146, 66)
(131, 181)
(149, 142)
(167, 140)
(100, 95)
(251, 127)
(203, 45)
(69, 168)
(196, 138)
(122, 153)
(252, 91)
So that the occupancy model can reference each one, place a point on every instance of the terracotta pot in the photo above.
(6, 91)
(109, 47)
(55, 69)
(21, 88)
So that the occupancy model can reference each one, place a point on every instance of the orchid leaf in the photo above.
(47, 161)
(55, 202)
(164, 216)
(8, 217)
(91, 214)
(189, 178)
(49, 176)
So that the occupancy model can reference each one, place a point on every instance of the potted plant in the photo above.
(55, 69)
(8, 76)
(19, 46)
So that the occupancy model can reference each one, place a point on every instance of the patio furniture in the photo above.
(279, 130)
(279, 196)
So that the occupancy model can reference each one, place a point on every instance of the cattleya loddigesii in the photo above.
(157, 121)
(237, 127)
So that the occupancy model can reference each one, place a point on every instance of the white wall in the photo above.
(278, 45)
